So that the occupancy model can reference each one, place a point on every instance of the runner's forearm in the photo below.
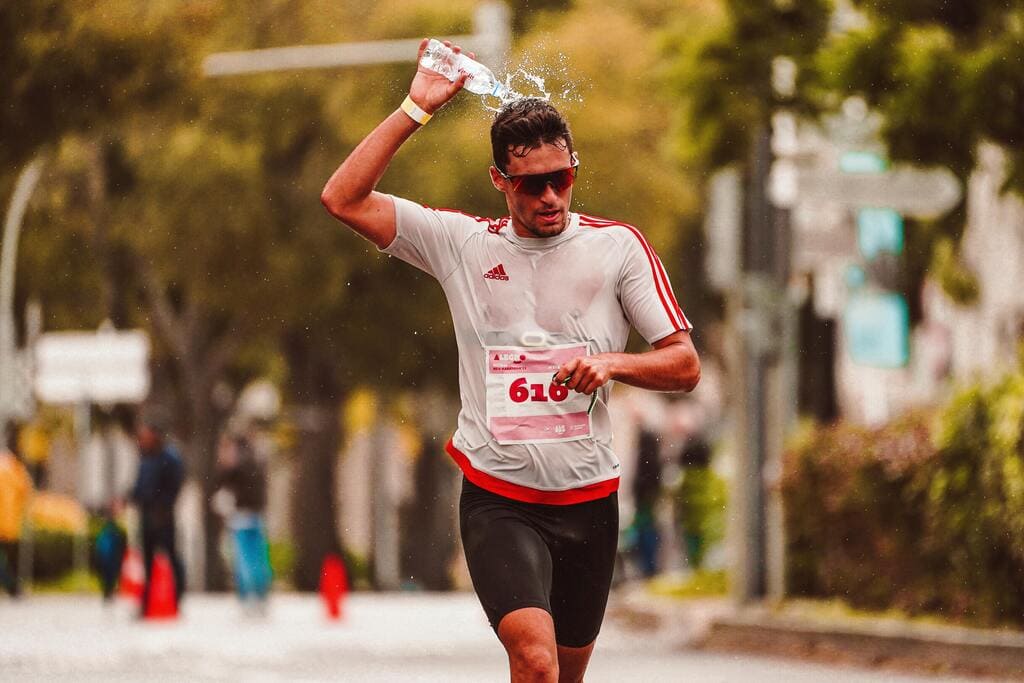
(671, 368)
(359, 174)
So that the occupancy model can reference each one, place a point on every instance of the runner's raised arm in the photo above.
(349, 194)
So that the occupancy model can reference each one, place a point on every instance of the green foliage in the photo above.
(282, 559)
(53, 554)
(359, 568)
(209, 196)
(925, 515)
(944, 75)
(700, 504)
(189, 206)
(958, 282)
(700, 584)
(722, 71)
(70, 582)
(71, 66)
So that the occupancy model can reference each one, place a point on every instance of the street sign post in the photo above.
(877, 329)
(879, 230)
(911, 191)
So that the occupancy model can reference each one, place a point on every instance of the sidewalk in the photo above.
(810, 631)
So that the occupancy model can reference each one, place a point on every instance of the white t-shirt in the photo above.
(521, 307)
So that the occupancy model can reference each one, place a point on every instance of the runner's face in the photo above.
(543, 215)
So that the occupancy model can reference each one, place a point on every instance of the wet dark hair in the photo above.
(525, 124)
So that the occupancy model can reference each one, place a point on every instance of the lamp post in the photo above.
(12, 398)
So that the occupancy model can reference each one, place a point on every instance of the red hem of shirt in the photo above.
(525, 494)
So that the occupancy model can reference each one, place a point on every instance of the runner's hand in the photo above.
(430, 90)
(585, 374)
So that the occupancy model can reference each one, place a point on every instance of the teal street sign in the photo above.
(879, 230)
(854, 277)
(878, 329)
(862, 162)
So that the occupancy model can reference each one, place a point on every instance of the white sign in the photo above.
(98, 367)
(914, 192)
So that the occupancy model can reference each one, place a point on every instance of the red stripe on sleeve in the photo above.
(660, 280)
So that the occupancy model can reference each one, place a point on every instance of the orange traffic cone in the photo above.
(333, 586)
(162, 602)
(133, 574)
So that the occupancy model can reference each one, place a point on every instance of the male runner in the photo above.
(542, 302)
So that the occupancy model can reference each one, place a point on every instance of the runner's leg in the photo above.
(528, 635)
(583, 561)
(572, 662)
(510, 566)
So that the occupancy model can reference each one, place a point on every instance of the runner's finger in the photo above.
(580, 376)
(565, 372)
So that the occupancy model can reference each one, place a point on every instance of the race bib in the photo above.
(523, 405)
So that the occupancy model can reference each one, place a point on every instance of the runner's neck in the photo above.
(543, 242)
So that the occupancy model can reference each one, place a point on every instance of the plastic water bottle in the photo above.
(439, 58)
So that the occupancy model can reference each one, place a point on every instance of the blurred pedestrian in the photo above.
(542, 302)
(15, 486)
(696, 490)
(242, 499)
(161, 476)
(111, 545)
(646, 494)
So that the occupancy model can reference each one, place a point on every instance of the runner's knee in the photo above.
(534, 662)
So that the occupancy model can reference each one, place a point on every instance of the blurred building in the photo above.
(827, 265)
(986, 336)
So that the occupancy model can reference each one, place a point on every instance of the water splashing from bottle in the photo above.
(525, 80)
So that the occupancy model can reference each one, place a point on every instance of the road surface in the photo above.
(383, 637)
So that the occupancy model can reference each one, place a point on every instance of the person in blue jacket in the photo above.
(160, 478)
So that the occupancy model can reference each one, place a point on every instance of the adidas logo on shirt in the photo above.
(496, 273)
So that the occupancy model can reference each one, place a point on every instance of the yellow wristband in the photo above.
(415, 113)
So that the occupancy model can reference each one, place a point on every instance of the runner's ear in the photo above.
(496, 179)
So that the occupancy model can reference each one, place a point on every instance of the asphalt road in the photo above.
(383, 637)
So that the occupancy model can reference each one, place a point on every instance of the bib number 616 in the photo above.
(520, 392)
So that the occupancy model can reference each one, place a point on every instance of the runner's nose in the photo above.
(549, 194)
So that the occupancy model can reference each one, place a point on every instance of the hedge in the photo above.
(925, 515)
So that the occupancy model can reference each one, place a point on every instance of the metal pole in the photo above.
(493, 37)
(82, 430)
(386, 555)
(26, 184)
(490, 43)
(759, 341)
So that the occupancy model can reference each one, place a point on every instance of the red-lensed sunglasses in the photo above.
(536, 183)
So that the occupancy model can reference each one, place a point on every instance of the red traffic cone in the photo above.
(133, 574)
(162, 601)
(333, 586)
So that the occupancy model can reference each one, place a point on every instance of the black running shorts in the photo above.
(556, 557)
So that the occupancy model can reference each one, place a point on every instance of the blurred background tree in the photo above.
(189, 206)
(913, 59)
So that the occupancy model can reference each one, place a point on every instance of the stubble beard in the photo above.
(537, 230)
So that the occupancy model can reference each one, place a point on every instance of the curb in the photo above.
(875, 642)
(880, 643)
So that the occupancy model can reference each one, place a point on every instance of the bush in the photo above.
(700, 507)
(55, 520)
(282, 559)
(53, 554)
(925, 514)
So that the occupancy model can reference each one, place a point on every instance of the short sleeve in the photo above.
(431, 239)
(646, 293)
